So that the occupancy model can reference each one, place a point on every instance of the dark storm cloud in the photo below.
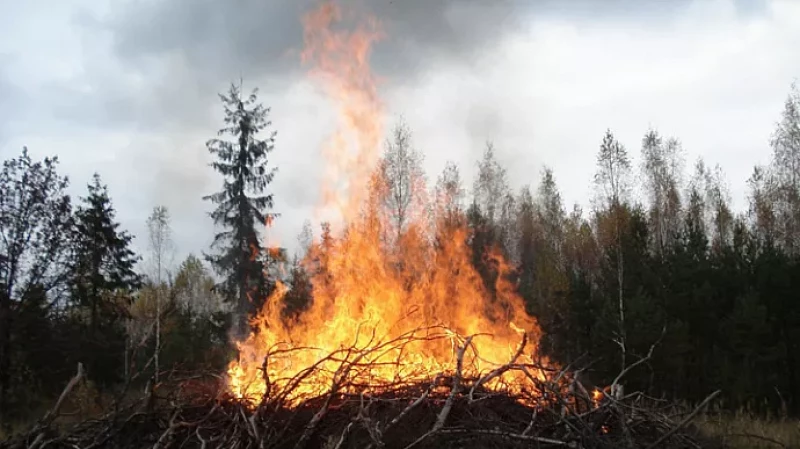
(260, 37)
(219, 41)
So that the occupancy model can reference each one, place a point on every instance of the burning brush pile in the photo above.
(404, 344)
(337, 403)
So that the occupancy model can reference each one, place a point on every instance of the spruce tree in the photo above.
(103, 261)
(242, 205)
(102, 268)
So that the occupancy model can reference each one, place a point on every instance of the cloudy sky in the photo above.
(128, 88)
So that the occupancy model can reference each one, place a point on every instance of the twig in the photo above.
(52, 414)
(373, 431)
(685, 420)
(757, 437)
(448, 405)
(343, 436)
(500, 370)
(413, 404)
(511, 435)
(335, 384)
(172, 426)
(638, 362)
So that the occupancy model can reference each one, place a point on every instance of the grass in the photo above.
(741, 430)
(84, 403)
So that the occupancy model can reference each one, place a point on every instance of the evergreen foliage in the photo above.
(242, 206)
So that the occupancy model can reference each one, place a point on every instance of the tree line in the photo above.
(659, 261)
(659, 265)
(72, 290)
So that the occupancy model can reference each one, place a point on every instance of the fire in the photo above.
(597, 396)
(390, 307)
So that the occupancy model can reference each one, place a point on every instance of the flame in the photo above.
(385, 311)
(597, 396)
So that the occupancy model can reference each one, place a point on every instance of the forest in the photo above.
(660, 264)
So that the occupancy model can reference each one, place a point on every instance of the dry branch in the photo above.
(198, 411)
(686, 420)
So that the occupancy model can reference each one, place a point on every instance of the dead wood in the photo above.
(453, 409)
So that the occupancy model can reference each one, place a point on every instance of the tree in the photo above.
(762, 206)
(550, 283)
(194, 290)
(718, 215)
(551, 213)
(786, 170)
(35, 220)
(242, 204)
(491, 185)
(495, 202)
(102, 267)
(612, 178)
(661, 168)
(449, 201)
(529, 231)
(404, 178)
(201, 314)
(161, 248)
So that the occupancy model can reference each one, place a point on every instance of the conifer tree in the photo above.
(242, 204)
(103, 266)
(103, 261)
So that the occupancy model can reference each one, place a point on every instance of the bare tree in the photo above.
(613, 181)
(495, 201)
(449, 196)
(662, 163)
(404, 178)
(161, 250)
(786, 171)
(491, 185)
(762, 206)
(709, 204)
(720, 214)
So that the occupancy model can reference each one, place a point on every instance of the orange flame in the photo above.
(341, 63)
(397, 310)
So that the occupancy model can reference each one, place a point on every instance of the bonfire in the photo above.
(403, 345)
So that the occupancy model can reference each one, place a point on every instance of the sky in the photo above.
(128, 88)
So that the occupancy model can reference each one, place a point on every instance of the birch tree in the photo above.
(661, 168)
(785, 168)
(404, 178)
(161, 250)
(613, 182)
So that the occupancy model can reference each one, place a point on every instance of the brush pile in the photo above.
(451, 411)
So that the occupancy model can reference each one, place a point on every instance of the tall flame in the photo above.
(340, 61)
(399, 309)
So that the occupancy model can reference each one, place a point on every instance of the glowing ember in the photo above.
(385, 311)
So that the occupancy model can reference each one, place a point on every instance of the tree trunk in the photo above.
(620, 279)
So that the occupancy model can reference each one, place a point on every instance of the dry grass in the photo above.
(84, 403)
(741, 430)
